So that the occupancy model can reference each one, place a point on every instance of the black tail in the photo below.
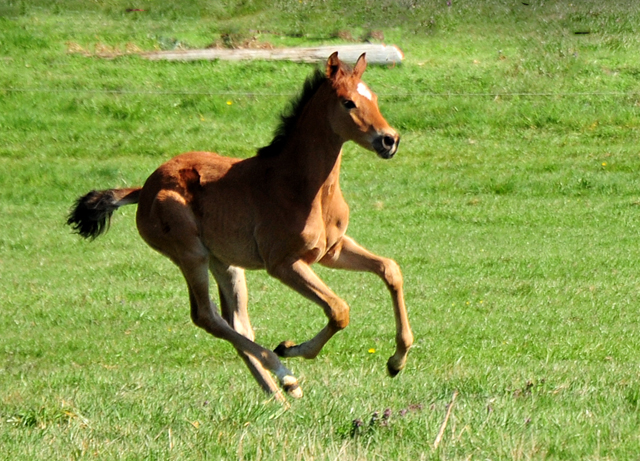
(91, 214)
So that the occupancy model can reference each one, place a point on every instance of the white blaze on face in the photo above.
(364, 91)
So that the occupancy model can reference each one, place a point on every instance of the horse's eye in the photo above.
(349, 104)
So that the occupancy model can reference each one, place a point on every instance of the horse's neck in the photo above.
(314, 152)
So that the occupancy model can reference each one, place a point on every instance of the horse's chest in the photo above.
(324, 229)
(336, 226)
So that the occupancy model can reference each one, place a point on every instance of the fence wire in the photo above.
(260, 94)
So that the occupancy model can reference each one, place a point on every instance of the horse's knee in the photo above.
(392, 274)
(339, 317)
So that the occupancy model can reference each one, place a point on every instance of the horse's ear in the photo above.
(360, 66)
(333, 65)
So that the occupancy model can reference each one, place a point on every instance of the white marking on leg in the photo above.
(364, 91)
(289, 382)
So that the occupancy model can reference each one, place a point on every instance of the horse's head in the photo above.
(356, 115)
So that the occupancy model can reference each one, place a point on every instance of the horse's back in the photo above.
(180, 170)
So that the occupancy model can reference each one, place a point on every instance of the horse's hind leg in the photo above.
(232, 287)
(204, 314)
(169, 226)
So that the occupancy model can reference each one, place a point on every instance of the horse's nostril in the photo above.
(388, 142)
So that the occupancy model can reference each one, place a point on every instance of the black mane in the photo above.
(289, 117)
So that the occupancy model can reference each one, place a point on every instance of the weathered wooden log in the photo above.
(376, 54)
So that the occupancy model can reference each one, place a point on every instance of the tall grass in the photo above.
(512, 208)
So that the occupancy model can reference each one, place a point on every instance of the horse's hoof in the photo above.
(291, 387)
(392, 369)
(283, 347)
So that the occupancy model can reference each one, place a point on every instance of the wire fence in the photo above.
(276, 94)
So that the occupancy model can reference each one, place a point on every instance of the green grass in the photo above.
(513, 207)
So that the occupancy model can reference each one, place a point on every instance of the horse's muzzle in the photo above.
(386, 145)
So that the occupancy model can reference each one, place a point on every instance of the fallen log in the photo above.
(376, 54)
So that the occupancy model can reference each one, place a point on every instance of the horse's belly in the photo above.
(231, 241)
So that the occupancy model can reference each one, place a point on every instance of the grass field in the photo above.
(513, 207)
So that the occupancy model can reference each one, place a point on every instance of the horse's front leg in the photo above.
(301, 278)
(349, 255)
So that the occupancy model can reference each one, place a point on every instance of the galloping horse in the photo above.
(281, 210)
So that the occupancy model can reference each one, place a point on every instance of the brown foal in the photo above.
(281, 210)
